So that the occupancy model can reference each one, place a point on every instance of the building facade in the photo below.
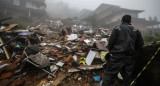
(109, 16)
(23, 8)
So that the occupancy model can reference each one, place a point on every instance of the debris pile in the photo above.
(53, 54)
(45, 55)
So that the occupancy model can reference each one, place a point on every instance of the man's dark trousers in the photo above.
(119, 63)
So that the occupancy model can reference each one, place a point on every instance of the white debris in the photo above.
(53, 68)
(72, 37)
(90, 57)
(60, 64)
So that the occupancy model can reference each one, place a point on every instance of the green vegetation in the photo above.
(149, 38)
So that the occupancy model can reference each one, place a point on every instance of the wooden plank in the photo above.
(91, 67)
(5, 49)
(8, 27)
(60, 79)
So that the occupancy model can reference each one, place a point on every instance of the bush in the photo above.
(148, 38)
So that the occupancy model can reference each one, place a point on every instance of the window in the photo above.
(16, 2)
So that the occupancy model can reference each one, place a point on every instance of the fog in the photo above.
(61, 9)
(72, 7)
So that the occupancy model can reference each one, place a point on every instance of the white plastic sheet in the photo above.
(90, 57)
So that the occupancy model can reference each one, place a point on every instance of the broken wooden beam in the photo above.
(100, 66)
(5, 49)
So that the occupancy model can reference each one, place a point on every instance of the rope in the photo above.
(132, 83)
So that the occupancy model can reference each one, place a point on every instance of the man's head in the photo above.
(126, 19)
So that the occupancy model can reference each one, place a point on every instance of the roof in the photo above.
(114, 9)
(107, 11)
(130, 10)
(104, 7)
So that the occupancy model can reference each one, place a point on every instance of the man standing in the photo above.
(123, 42)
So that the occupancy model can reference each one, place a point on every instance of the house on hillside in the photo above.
(110, 16)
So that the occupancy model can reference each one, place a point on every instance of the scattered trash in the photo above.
(72, 37)
(60, 64)
(53, 68)
(97, 78)
(79, 78)
(64, 55)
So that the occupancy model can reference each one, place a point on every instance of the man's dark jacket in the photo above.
(125, 39)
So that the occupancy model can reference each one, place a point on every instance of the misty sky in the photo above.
(151, 7)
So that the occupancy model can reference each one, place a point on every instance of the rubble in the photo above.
(43, 55)
(44, 48)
